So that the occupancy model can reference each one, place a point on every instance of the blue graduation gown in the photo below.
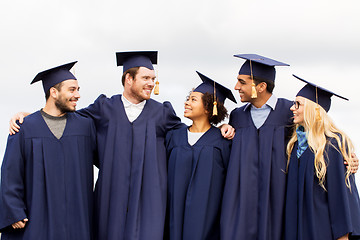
(313, 213)
(254, 194)
(196, 178)
(49, 180)
(130, 192)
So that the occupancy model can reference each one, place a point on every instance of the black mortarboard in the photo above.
(259, 66)
(208, 87)
(317, 94)
(136, 59)
(55, 75)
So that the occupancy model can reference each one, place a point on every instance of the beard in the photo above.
(61, 105)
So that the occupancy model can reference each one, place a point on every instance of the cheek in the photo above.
(200, 107)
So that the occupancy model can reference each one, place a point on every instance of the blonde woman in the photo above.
(322, 200)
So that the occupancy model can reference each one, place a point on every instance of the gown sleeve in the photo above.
(94, 145)
(12, 190)
(226, 152)
(94, 110)
(338, 193)
(171, 120)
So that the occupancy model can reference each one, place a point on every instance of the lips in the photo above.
(73, 101)
(148, 90)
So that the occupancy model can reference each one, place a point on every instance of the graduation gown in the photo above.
(196, 178)
(49, 180)
(130, 192)
(313, 213)
(254, 194)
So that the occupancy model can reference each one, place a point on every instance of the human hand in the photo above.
(354, 163)
(20, 224)
(345, 237)
(227, 131)
(13, 126)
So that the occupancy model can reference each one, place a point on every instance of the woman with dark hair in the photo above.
(322, 200)
(198, 157)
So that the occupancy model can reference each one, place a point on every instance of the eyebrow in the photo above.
(241, 80)
(73, 87)
(193, 97)
(148, 76)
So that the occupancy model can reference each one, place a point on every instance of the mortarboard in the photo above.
(55, 75)
(210, 86)
(317, 94)
(258, 66)
(138, 59)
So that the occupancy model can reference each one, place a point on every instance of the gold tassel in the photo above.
(253, 90)
(156, 89)
(318, 117)
(215, 113)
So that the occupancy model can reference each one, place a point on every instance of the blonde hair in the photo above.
(318, 131)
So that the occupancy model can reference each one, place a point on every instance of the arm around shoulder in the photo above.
(171, 120)
(14, 125)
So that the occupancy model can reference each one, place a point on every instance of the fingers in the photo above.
(354, 163)
(20, 224)
(228, 133)
(13, 126)
(21, 119)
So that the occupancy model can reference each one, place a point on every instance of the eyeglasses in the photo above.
(297, 104)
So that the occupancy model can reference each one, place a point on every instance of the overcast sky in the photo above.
(319, 39)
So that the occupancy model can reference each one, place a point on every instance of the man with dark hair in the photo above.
(253, 201)
(47, 175)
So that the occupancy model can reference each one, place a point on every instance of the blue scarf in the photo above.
(302, 141)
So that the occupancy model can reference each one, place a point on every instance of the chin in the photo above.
(146, 97)
(297, 122)
(188, 115)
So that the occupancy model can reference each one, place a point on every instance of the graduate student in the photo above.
(254, 194)
(130, 193)
(198, 157)
(322, 200)
(46, 187)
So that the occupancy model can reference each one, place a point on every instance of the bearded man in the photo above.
(47, 175)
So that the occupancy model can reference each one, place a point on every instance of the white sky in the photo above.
(319, 39)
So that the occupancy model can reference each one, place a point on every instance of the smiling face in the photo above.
(67, 96)
(140, 88)
(298, 110)
(243, 85)
(194, 107)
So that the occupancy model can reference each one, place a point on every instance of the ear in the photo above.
(53, 92)
(262, 87)
(128, 79)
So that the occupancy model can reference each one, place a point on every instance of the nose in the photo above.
(292, 108)
(151, 82)
(237, 86)
(77, 94)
